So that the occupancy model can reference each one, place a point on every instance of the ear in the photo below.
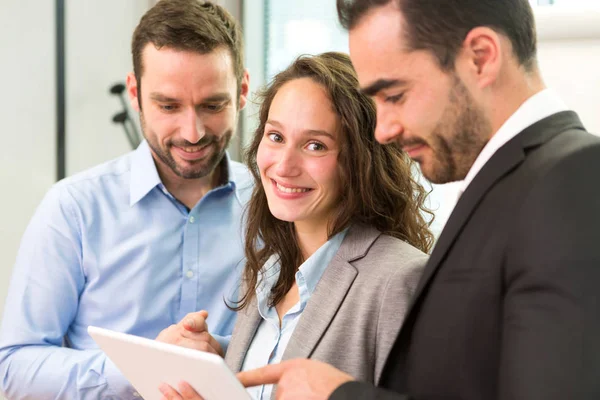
(244, 89)
(481, 56)
(132, 91)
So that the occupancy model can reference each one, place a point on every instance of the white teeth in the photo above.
(290, 190)
(192, 149)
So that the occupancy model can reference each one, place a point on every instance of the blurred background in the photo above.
(60, 58)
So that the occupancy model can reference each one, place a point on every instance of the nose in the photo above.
(388, 129)
(193, 128)
(288, 164)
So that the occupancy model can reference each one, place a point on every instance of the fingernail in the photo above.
(190, 323)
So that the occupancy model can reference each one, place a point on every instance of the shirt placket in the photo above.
(190, 265)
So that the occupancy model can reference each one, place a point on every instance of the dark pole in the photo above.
(60, 89)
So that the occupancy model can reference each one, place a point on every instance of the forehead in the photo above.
(304, 104)
(379, 50)
(170, 70)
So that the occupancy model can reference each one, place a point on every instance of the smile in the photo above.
(194, 149)
(285, 189)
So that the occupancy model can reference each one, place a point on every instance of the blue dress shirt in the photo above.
(111, 247)
(271, 339)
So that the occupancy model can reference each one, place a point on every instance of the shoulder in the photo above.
(391, 261)
(91, 184)
(110, 172)
(391, 252)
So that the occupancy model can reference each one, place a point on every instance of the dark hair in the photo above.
(441, 26)
(377, 184)
(188, 25)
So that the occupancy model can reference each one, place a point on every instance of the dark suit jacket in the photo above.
(509, 304)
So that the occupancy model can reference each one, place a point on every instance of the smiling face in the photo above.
(427, 111)
(298, 154)
(189, 108)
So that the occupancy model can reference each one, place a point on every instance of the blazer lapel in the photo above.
(247, 323)
(505, 160)
(330, 292)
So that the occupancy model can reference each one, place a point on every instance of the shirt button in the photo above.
(192, 219)
(189, 273)
(136, 394)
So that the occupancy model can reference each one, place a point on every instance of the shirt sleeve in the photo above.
(223, 341)
(41, 305)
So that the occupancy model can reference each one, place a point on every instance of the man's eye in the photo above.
(168, 107)
(394, 99)
(214, 107)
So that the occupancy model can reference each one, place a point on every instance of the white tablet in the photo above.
(147, 363)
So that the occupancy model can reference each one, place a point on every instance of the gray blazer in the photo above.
(355, 313)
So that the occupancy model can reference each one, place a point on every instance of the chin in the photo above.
(284, 214)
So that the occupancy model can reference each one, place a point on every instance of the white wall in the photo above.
(98, 51)
(27, 114)
(569, 57)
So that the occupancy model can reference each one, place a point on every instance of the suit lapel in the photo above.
(502, 162)
(329, 293)
(248, 321)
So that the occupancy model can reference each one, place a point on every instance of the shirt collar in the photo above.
(308, 274)
(539, 106)
(312, 269)
(144, 175)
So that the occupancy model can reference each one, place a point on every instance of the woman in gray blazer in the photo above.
(338, 222)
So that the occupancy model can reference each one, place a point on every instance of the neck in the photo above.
(513, 89)
(187, 191)
(311, 236)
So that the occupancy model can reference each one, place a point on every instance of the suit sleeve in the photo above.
(395, 301)
(394, 304)
(551, 312)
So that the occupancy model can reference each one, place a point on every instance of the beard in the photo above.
(189, 169)
(456, 141)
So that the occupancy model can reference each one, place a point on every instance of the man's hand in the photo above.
(192, 332)
(297, 379)
(186, 392)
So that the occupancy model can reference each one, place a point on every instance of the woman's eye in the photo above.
(275, 137)
(315, 146)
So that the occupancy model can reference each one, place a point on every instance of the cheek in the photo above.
(325, 173)
(264, 158)
(423, 114)
(221, 122)
(160, 124)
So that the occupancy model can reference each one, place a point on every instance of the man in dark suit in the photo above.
(509, 304)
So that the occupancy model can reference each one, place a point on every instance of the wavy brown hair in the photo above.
(377, 183)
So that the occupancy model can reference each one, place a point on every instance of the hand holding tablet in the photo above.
(147, 364)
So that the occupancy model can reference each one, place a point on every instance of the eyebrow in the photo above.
(313, 132)
(381, 84)
(219, 97)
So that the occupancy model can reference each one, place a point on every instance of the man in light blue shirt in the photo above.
(138, 243)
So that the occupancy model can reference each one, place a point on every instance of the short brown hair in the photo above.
(188, 25)
(440, 26)
(377, 184)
